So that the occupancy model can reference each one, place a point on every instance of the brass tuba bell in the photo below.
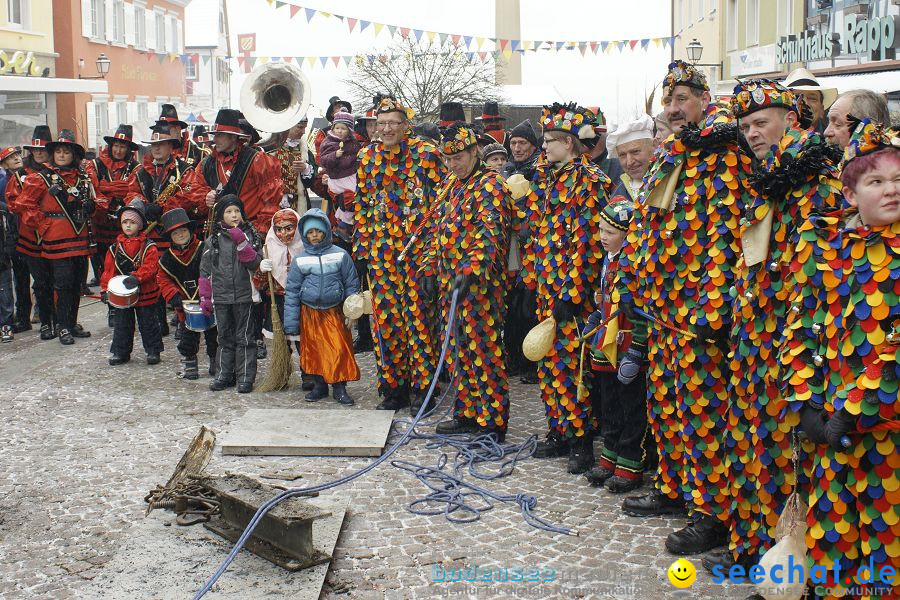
(275, 97)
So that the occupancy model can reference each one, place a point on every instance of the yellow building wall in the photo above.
(38, 38)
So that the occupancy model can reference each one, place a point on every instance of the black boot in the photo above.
(48, 332)
(80, 332)
(153, 358)
(217, 385)
(417, 402)
(395, 399)
(652, 504)
(725, 559)
(598, 475)
(703, 533)
(65, 337)
(581, 454)
(339, 393)
(307, 382)
(553, 446)
(363, 342)
(189, 367)
(620, 485)
(115, 359)
(499, 434)
(319, 391)
(456, 425)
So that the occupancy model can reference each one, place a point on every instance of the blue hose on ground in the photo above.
(469, 454)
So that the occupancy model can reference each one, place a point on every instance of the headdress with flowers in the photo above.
(457, 138)
(684, 73)
(388, 104)
(756, 94)
(569, 118)
(868, 137)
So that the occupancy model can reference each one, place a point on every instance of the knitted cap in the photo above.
(525, 131)
(225, 202)
(492, 149)
(345, 118)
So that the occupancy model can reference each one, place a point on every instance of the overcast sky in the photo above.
(617, 82)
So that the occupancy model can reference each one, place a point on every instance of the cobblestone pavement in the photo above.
(83, 442)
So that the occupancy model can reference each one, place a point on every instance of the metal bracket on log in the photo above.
(283, 535)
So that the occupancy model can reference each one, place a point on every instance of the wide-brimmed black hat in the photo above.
(228, 120)
(174, 219)
(124, 133)
(66, 137)
(451, 112)
(250, 131)
(40, 137)
(160, 133)
(168, 115)
(490, 112)
(201, 135)
(333, 103)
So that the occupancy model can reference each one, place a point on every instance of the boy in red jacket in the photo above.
(135, 256)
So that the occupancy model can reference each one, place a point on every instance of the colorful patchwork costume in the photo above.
(678, 265)
(562, 262)
(469, 245)
(396, 186)
(842, 355)
(796, 178)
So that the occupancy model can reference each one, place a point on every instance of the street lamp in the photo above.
(695, 51)
(102, 62)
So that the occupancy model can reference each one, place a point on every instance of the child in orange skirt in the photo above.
(321, 277)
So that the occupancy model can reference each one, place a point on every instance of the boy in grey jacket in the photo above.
(230, 256)
(320, 278)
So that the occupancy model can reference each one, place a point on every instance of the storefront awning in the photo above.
(52, 85)
(880, 81)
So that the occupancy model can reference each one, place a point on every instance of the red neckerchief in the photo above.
(157, 171)
(131, 245)
(112, 165)
(183, 254)
(225, 162)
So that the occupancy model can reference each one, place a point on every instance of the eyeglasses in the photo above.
(284, 228)
(388, 124)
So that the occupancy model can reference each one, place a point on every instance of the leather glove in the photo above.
(175, 301)
(153, 211)
(564, 310)
(838, 426)
(265, 265)
(630, 366)
(592, 323)
(429, 286)
(462, 282)
(812, 421)
(131, 282)
(237, 236)
(104, 297)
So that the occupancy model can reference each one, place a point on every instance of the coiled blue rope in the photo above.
(470, 453)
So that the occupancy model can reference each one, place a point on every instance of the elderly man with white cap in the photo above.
(633, 144)
(816, 97)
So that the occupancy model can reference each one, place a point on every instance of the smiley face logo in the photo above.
(682, 573)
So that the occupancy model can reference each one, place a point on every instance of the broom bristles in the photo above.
(278, 376)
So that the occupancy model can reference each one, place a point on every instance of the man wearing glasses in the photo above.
(397, 182)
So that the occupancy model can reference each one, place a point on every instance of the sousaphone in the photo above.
(275, 97)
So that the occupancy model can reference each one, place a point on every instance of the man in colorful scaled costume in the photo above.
(841, 362)
(677, 266)
(397, 182)
(467, 252)
(562, 263)
(795, 176)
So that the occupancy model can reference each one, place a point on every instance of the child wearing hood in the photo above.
(230, 256)
(338, 156)
(320, 278)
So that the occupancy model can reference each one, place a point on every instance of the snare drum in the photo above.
(120, 296)
(195, 320)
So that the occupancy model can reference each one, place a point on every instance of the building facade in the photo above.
(144, 42)
(30, 83)
(208, 70)
(700, 20)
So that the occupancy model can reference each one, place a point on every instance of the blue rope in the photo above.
(453, 491)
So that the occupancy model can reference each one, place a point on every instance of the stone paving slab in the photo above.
(83, 442)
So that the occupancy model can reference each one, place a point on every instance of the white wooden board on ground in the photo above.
(299, 432)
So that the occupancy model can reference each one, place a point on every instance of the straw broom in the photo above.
(281, 366)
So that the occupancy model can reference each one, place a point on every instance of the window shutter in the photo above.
(91, 124)
(86, 18)
(132, 112)
(168, 40)
(109, 13)
(129, 23)
(150, 34)
(152, 110)
(113, 120)
(179, 25)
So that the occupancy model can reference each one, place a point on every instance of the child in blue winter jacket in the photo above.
(321, 277)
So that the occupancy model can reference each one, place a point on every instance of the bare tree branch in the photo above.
(421, 75)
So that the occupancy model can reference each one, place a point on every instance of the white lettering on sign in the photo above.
(861, 36)
(21, 63)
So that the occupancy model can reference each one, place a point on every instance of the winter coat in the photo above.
(229, 276)
(321, 276)
(339, 166)
(8, 236)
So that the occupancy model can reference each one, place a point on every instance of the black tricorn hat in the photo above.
(124, 133)
(175, 218)
(228, 120)
(40, 138)
(249, 131)
(451, 112)
(201, 136)
(333, 103)
(66, 137)
(490, 112)
(168, 114)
